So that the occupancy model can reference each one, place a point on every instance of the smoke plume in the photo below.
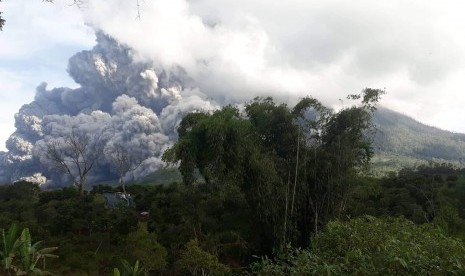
(120, 101)
(189, 55)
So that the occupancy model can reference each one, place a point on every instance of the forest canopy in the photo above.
(266, 189)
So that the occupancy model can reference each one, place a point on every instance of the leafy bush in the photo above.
(144, 246)
(372, 246)
(19, 255)
(199, 262)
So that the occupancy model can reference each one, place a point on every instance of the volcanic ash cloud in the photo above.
(120, 102)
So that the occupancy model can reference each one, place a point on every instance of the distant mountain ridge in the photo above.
(402, 141)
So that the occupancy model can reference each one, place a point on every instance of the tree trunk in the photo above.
(82, 181)
(296, 172)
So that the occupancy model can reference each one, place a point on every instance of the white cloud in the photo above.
(236, 49)
(35, 26)
(35, 44)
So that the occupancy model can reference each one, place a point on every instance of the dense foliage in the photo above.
(292, 165)
(19, 255)
(257, 184)
(372, 246)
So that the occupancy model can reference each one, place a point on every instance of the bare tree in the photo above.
(74, 154)
(122, 161)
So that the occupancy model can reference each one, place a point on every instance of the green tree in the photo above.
(199, 262)
(336, 149)
(226, 150)
(144, 247)
(18, 204)
(293, 165)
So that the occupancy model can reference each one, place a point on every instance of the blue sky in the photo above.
(35, 45)
(241, 48)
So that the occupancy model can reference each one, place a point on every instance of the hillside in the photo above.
(402, 141)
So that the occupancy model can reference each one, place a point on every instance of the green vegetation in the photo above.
(128, 270)
(403, 142)
(269, 190)
(293, 166)
(195, 261)
(19, 255)
(372, 246)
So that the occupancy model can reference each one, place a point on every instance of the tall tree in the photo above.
(122, 161)
(294, 165)
(226, 150)
(74, 154)
(338, 149)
